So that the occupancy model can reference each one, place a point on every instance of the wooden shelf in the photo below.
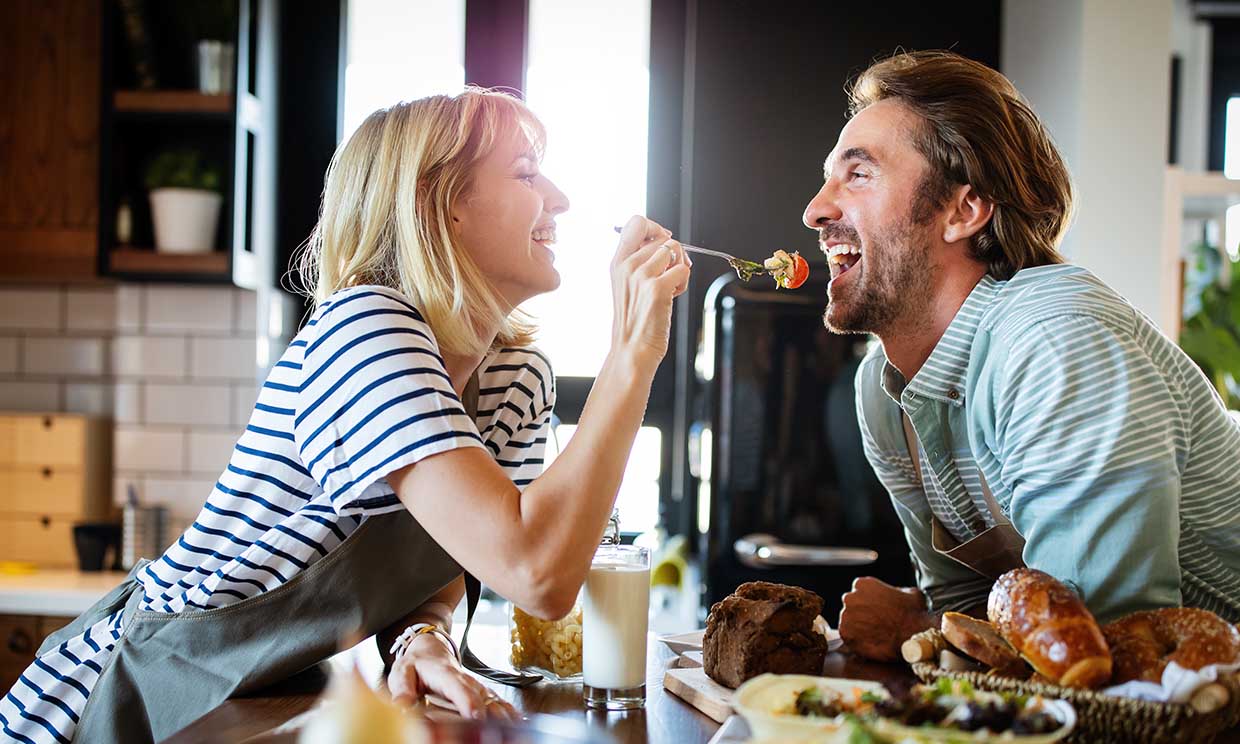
(172, 102)
(146, 261)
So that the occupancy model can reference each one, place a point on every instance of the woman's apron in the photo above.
(167, 670)
(993, 552)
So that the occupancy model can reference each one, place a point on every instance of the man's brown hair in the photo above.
(978, 130)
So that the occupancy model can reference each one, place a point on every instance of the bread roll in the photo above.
(979, 640)
(1050, 627)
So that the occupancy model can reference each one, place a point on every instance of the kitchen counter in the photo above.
(63, 593)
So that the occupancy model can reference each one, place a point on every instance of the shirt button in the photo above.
(953, 394)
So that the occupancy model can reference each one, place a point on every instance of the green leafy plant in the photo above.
(182, 169)
(1211, 331)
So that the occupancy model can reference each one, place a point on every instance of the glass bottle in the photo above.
(552, 648)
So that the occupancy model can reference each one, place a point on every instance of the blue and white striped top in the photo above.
(361, 392)
(1100, 439)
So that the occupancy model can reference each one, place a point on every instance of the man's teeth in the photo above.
(836, 253)
(543, 236)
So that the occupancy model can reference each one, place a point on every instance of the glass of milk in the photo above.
(615, 611)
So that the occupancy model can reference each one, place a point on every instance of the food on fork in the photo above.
(761, 628)
(1143, 643)
(1050, 627)
(979, 640)
(789, 269)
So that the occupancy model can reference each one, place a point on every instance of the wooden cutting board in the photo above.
(700, 691)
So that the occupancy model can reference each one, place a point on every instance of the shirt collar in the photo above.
(943, 375)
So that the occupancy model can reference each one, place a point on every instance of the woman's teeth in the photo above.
(544, 236)
(839, 254)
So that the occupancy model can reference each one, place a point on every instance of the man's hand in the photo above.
(428, 666)
(878, 617)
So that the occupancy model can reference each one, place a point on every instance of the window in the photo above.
(400, 50)
(1231, 169)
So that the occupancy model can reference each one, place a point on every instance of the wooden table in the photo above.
(665, 720)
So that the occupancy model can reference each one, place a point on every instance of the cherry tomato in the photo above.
(800, 271)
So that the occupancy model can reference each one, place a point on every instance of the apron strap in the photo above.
(910, 441)
(473, 588)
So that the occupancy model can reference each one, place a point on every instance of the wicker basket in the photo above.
(1104, 718)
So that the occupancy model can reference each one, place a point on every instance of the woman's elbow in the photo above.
(550, 596)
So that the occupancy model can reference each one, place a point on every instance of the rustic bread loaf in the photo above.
(979, 640)
(1050, 627)
(761, 628)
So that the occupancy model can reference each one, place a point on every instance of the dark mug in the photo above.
(93, 540)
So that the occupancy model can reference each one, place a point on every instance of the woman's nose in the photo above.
(554, 200)
(822, 208)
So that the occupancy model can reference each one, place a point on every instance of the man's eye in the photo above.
(854, 175)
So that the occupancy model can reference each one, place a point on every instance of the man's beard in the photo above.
(894, 286)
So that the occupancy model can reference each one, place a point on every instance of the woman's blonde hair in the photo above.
(978, 130)
(386, 216)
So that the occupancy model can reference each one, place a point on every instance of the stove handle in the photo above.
(760, 550)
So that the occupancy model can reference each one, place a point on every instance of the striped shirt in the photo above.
(1100, 439)
(360, 392)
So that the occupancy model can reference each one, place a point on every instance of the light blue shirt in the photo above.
(1101, 440)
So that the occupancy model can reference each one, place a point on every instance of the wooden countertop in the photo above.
(62, 593)
(665, 720)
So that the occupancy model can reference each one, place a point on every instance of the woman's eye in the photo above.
(527, 177)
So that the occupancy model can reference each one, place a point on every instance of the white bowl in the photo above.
(759, 698)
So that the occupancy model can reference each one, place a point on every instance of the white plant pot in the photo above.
(185, 219)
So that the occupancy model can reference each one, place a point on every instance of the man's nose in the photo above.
(822, 208)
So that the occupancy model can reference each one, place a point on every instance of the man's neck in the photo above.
(909, 344)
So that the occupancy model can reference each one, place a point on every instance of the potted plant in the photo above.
(1211, 330)
(185, 201)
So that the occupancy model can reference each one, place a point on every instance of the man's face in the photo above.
(876, 224)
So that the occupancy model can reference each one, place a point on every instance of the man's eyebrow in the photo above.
(852, 153)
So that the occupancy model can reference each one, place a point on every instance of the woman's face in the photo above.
(507, 221)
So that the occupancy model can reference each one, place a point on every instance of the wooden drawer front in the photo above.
(19, 638)
(51, 490)
(47, 541)
(41, 441)
(7, 440)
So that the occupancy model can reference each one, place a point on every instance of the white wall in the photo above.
(1098, 72)
(1192, 41)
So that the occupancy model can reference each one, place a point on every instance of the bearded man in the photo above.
(1018, 410)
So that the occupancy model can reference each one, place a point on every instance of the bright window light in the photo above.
(400, 50)
(1231, 141)
(638, 500)
(588, 80)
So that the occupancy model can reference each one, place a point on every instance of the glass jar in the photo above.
(552, 648)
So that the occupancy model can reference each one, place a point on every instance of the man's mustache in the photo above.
(838, 232)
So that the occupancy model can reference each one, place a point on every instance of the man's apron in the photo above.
(167, 670)
(995, 551)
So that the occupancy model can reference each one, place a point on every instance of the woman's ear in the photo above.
(968, 213)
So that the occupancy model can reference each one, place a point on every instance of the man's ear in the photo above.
(967, 214)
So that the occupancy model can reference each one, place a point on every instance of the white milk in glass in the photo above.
(614, 622)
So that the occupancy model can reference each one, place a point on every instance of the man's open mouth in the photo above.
(841, 258)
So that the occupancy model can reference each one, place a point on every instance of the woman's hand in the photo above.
(649, 271)
(428, 666)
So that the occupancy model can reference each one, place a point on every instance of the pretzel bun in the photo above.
(1143, 643)
(1050, 627)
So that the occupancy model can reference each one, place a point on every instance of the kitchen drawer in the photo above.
(42, 441)
(46, 541)
(54, 489)
(19, 638)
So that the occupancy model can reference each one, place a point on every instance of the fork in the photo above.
(744, 268)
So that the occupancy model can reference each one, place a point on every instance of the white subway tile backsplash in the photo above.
(210, 451)
(93, 398)
(8, 355)
(149, 356)
(146, 448)
(243, 399)
(189, 404)
(122, 482)
(183, 497)
(62, 355)
(173, 308)
(246, 319)
(127, 403)
(34, 309)
(129, 307)
(227, 358)
(30, 396)
(90, 309)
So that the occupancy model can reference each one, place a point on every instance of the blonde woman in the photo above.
(362, 487)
